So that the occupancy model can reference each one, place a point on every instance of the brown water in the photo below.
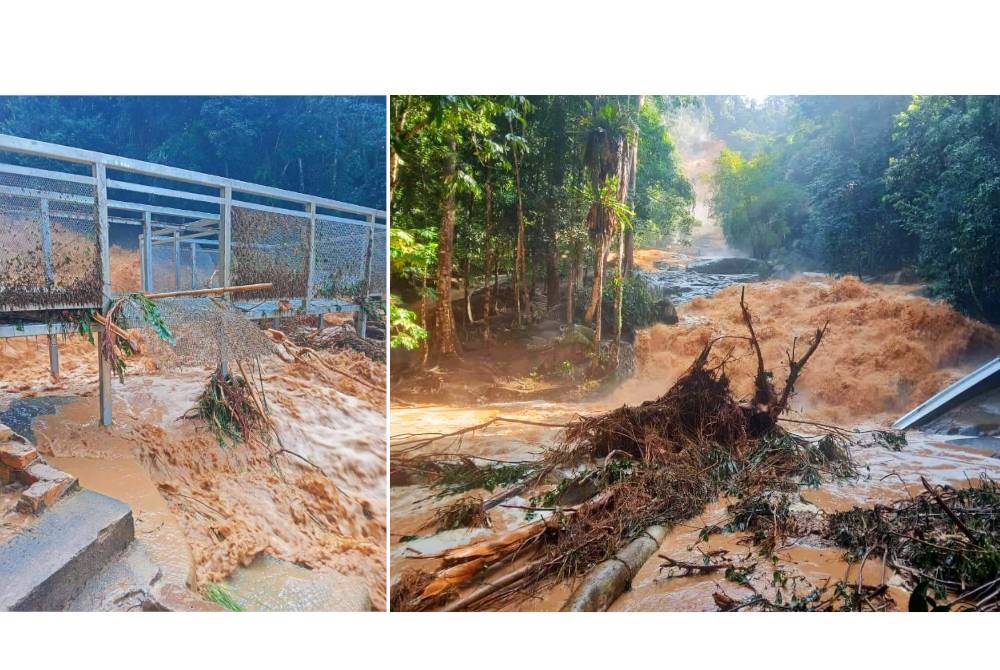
(205, 509)
(886, 350)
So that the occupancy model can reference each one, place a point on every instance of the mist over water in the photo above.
(699, 149)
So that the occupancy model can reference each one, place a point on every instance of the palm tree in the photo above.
(610, 156)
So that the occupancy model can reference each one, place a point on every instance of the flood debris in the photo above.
(230, 407)
(671, 456)
(945, 541)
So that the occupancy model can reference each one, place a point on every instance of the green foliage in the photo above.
(663, 196)
(839, 155)
(228, 407)
(944, 184)
(404, 330)
(465, 475)
(220, 596)
(754, 205)
(867, 185)
(638, 304)
(340, 140)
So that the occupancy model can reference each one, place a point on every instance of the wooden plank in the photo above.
(210, 291)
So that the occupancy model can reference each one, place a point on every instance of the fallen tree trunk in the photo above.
(607, 580)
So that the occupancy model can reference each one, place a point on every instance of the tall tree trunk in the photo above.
(629, 252)
(619, 292)
(520, 283)
(570, 287)
(466, 278)
(393, 172)
(490, 271)
(423, 316)
(496, 288)
(552, 275)
(594, 311)
(445, 337)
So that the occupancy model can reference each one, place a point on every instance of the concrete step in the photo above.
(135, 583)
(48, 564)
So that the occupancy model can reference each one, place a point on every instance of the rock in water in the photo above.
(732, 266)
(666, 312)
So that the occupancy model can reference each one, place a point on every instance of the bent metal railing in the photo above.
(58, 203)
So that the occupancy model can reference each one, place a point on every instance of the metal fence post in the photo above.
(366, 285)
(101, 205)
(147, 250)
(49, 279)
(177, 259)
(226, 235)
(311, 268)
(194, 264)
(226, 248)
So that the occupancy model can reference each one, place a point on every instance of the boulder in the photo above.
(732, 266)
(666, 312)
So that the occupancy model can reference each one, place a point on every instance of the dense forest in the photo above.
(500, 200)
(332, 146)
(867, 185)
(519, 196)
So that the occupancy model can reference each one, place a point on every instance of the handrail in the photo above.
(75, 155)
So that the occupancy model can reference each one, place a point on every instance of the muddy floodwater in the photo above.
(205, 511)
(887, 350)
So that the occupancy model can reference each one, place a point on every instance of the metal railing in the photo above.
(189, 213)
(57, 204)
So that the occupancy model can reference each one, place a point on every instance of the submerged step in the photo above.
(48, 564)
(269, 584)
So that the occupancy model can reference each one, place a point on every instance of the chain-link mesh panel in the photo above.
(182, 271)
(49, 249)
(339, 269)
(270, 247)
(164, 273)
(206, 268)
(206, 331)
(377, 286)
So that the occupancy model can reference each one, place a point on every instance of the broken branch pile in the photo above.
(945, 539)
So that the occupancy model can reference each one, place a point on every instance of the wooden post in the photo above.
(101, 205)
(366, 284)
(177, 260)
(147, 250)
